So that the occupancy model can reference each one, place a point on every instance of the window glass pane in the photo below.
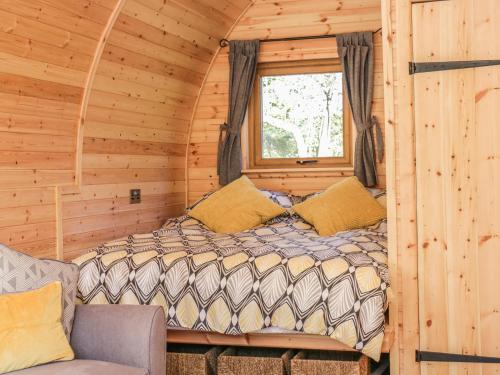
(302, 116)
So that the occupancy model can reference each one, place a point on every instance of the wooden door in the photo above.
(457, 133)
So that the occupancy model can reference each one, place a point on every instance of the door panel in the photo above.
(457, 121)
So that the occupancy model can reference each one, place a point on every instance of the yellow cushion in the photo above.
(236, 207)
(343, 206)
(31, 332)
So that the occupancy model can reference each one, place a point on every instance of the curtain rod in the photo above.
(224, 42)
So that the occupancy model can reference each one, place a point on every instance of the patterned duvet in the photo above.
(282, 275)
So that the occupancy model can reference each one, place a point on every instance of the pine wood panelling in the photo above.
(487, 116)
(104, 161)
(100, 97)
(42, 51)
(24, 86)
(266, 19)
(97, 99)
(129, 118)
(434, 243)
(453, 225)
(25, 105)
(135, 27)
(103, 211)
(129, 106)
(69, 19)
(111, 131)
(46, 49)
(116, 190)
(27, 220)
(45, 32)
(443, 180)
(113, 146)
(401, 181)
(77, 209)
(282, 19)
(136, 123)
(13, 141)
(98, 222)
(388, 33)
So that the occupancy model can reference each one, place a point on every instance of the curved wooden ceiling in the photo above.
(97, 97)
(280, 19)
(58, 56)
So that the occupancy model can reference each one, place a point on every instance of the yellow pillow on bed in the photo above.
(31, 332)
(236, 207)
(343, 206)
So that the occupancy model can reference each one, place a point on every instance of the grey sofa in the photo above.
(113, 340)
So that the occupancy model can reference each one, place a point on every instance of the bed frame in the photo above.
(272, 339)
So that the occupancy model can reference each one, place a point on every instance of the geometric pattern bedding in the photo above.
(282, 274)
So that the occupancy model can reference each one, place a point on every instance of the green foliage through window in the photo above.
(302, 115)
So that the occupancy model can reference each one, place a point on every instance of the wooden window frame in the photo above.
(256, 161)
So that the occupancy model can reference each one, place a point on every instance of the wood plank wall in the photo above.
(401, 182)
(137, 120)
(445, 279)
(270, 19)
(458, 194)
(97, 98)
(86, 116)
(46, 49)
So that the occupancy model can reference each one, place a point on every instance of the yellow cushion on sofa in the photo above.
(343, 206)
(236, 207)
(31, 332)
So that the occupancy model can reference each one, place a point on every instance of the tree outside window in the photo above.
(302, 116)
(299, 116)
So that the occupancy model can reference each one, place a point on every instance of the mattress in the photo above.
(282, 274)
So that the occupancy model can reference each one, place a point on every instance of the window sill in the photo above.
(298, 170)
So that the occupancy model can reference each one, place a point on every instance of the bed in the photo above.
(278, 277)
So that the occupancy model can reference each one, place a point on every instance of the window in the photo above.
(298, 116)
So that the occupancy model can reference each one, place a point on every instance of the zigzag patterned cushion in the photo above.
(20, 272)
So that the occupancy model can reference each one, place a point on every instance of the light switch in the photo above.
(135, 196)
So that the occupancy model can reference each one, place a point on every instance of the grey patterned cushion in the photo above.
(20, 272)
(283, 199)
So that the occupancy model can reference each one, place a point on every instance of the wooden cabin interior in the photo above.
(276, 186)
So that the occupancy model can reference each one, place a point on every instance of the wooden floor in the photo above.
(269, 340)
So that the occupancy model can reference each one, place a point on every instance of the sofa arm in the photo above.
(124, 334)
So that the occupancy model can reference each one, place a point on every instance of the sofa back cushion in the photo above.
(20, 272)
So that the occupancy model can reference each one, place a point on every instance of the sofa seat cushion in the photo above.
(82, 367)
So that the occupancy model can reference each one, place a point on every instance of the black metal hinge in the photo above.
(423, 356)
(426, 67)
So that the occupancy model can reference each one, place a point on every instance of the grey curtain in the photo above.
(243, 68)
(356, 55)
